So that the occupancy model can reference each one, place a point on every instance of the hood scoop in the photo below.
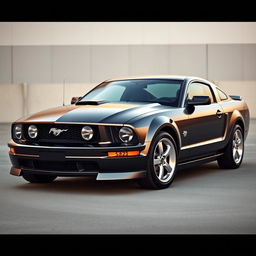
(92, 102)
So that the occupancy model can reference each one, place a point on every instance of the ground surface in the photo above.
(204, 199)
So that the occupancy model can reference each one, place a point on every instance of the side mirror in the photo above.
(74, 100)
(199, 100)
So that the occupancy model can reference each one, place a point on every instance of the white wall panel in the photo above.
(71, 33)
(249, 62)
(43, 96)
(225, 62)
(116, 33)
(5, 64)
(32, 33)
(147, 59)
(188, 60)
(11, 103)
(109, 62)
(6, 33)
(70, 63)
(32, 64)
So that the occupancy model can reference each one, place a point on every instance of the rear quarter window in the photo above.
(222, 95)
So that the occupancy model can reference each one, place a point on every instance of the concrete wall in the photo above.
(126, 33)
(38, 59)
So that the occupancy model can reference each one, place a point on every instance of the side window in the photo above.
(199, 89)
(223, 95)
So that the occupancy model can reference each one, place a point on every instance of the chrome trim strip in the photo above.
(13, 144)
(202, 143)
(104, 142)
(85, 157)
(101, 157)
(200, 159)
(119, 175)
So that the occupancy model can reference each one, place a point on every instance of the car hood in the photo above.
(103, 113)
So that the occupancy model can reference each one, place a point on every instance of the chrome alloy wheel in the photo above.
(164, 160)
(237, 146)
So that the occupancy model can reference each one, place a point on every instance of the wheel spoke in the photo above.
(237, 155)
(234, 153)
(167, 151)
(160, 148)
(161, 172)
(168, 168)
(157, 161)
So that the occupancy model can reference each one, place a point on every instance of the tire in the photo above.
(162, 163)
(234, 152)
(37, 178)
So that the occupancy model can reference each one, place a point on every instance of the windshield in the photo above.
(163, 91)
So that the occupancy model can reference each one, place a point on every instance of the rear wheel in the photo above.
(234, 152)
(161, 163)
(37, 178)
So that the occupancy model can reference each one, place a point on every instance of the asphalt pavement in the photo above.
(201, 200)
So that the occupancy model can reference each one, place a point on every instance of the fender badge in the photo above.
(185, 133)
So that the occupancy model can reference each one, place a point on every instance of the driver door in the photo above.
(205, 125)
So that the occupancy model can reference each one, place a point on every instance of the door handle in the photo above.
(219, 113)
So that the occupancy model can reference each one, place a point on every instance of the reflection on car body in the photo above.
(143, 128)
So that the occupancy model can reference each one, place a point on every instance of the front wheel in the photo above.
(161, 163)
(234, 152)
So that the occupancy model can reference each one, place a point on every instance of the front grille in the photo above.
(71, 136)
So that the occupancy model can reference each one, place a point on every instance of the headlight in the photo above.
(17, 131)
(126, 134)
(87, 132)
(32, 131)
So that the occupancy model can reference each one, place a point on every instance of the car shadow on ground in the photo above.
(89, 185)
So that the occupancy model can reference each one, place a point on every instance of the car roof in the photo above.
(174, 77)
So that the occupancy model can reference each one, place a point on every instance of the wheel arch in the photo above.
(235, 119)
(163, 124)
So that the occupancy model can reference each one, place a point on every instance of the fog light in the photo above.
(125, 134)
(32, 131)
(87, 132)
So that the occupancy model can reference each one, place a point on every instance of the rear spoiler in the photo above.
(235, 97)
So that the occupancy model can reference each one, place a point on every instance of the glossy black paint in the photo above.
(199, 130)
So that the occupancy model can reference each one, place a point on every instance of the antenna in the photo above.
(63, 92)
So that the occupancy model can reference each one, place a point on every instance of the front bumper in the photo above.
(77, 161)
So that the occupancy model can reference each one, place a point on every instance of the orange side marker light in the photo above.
(123, 153)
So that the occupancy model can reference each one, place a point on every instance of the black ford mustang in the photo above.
(143, 128)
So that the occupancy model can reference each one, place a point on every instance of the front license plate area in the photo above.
(52, 156)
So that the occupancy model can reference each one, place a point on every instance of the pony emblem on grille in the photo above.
(57, 132)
